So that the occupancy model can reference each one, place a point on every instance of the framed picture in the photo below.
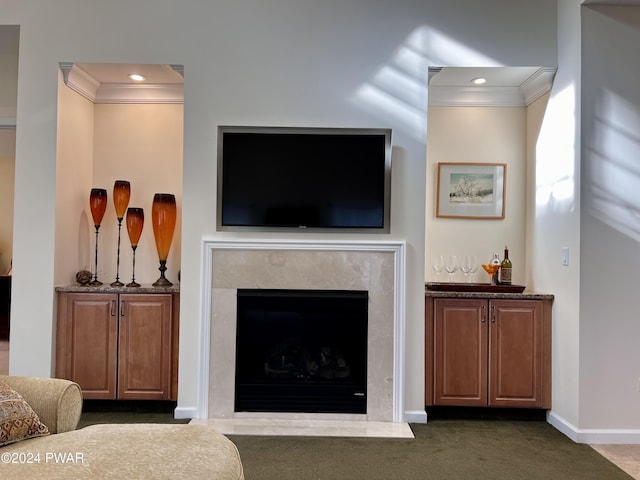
(471, 190)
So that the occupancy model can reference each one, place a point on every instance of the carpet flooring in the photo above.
(443, 449)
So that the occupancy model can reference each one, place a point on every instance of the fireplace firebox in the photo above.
(301, 351)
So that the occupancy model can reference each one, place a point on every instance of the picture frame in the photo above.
(471, 190)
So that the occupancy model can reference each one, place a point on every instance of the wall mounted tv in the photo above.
(304, 178)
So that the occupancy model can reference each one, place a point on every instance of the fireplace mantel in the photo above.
(317, 264)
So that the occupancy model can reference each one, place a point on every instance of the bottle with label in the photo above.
(506, 268)
(496, 261)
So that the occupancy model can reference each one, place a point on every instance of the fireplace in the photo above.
(301, 351)
(375, 267)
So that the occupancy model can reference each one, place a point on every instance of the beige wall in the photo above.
(477, 135)
(7, 174)
(141, 144)
(98, 144)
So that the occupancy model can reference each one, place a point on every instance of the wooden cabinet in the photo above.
(488, 352)
(119, 345)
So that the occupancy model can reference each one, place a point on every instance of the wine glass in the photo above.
(438, 265)
(135, 222)
(491, 269)
(452, 266)
(469, 265)
(98, 205)
(474, 266)
(121, 195)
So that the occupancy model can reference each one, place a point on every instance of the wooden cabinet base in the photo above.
(488, 352)
(119, 346)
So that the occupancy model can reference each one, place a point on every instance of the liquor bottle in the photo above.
(505, 268)
(496, 261)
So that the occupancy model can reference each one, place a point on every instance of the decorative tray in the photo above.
(474, 287)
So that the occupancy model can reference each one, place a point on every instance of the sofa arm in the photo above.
(57, 402)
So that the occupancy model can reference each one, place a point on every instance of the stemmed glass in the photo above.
(135, 222)
(491, 269)
(438, 265)
(98, 205)
(121, 195)
(452, 266)
(474, 266)
(469, 265)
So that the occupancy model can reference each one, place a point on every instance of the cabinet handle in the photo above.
(122, 308)
(493, 314)
(484, 314)
(112, 310)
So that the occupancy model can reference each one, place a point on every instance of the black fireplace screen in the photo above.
(301, 351)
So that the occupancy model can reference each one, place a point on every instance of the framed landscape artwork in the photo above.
(471, 190)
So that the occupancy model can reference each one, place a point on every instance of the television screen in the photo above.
(303, 178)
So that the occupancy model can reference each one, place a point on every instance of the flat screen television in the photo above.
(303, 178)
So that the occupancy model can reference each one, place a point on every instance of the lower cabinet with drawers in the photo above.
(492, 351)
(119, 345)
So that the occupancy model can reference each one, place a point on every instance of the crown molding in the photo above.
(476, 97)
(512, 96)
(80, 81)
(140, 93)
(538, 84)
(125, 93)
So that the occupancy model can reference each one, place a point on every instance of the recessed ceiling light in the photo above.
(137, 77)
(479, 80)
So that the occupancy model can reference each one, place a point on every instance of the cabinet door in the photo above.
(87, 342)
(516, 358)
(460, 351)
(145, 347)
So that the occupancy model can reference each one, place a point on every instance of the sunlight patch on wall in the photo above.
(555, 154)
(398, 90)
(614, 170)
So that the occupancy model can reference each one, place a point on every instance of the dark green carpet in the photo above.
(444, 449)
(107, 411)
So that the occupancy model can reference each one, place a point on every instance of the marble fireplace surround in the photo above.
(375, 266)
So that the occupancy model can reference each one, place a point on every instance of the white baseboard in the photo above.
(185, 412)
(415, 416)
(594, 436)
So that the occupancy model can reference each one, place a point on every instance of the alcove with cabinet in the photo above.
(488, 349)
(119, 344)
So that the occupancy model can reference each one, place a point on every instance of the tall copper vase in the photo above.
(98, 205)
(121, 195)
(163, 219)
(135, 222)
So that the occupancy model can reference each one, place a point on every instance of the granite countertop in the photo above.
(451, 292)
(106, 288)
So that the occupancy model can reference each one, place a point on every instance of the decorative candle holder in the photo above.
(121, 195)
(98, 205)
(135, 222)
(163, 219)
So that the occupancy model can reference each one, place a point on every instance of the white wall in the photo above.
(275, 62)
(556, 215)
(478, 135)
(610, 220)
